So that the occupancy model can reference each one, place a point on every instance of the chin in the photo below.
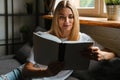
(67, 28)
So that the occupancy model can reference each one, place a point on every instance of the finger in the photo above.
(94, 48)
(93, 56)
(101, 57)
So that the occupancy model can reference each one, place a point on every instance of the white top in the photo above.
(62, 75)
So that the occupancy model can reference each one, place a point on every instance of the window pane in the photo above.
(87, 3)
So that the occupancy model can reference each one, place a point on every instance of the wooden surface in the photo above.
(94, 21)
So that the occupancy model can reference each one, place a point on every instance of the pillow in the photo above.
(40, 29)
(23, 53)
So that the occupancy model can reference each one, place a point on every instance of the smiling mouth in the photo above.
(66, 25)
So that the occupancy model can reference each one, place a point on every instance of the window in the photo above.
(90, 7)
(87, 3)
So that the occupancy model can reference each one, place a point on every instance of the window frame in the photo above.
(98, 11)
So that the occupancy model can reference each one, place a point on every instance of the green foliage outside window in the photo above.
(112, 2)
(87, 3)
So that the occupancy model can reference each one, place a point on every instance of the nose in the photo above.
(66, 19)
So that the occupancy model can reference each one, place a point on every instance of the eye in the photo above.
(71, 16)
(61, 17)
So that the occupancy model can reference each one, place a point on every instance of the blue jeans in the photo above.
(13, 75)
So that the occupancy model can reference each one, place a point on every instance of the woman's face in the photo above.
(65, 19)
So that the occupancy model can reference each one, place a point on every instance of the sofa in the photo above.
(106, 68)
(10, 62)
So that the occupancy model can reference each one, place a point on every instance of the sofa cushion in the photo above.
(8, 65)
(40, 29)
(23, 53)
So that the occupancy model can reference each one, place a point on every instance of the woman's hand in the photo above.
(102, 55)
(54, 68)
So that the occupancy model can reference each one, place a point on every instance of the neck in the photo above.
(65, 34)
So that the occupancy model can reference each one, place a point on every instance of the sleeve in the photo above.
(31, 57)
(88, 38)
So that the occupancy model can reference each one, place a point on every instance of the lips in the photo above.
(66, 25)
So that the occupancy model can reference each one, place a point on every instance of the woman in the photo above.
(65, 25)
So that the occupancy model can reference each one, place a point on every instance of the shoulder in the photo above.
(85, 37)
(84, 34)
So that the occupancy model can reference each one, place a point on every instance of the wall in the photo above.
(19, 7)
(108, 37)
(19, 21)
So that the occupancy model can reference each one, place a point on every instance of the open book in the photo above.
(49, 48)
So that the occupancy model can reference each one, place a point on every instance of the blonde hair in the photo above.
(55, 30)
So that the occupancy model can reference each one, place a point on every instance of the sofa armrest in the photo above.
(6, 57)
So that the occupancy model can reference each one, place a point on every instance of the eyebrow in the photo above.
(63, 14)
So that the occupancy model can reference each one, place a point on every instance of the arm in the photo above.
(29, 71)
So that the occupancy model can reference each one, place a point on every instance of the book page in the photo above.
(48, 36)
(39, 33)
(72, 42)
